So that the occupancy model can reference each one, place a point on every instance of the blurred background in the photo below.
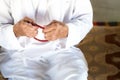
(106, 10)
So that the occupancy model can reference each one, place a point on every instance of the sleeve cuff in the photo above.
(9, 40)
(76, 34)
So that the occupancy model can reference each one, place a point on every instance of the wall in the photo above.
(106, 10)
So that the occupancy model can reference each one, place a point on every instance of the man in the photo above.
(38, 39)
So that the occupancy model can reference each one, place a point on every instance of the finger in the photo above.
(35, 27)
(51, 38)
(52, 35)
(32, 29)
(32, 33)
(49, 28)
(28, 19)
(52, 26)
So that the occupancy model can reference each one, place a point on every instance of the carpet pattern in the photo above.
(102, 50)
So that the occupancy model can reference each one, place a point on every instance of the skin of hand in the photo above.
(22, 28)
(55, 30)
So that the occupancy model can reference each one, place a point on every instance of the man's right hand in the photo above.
(22, 28)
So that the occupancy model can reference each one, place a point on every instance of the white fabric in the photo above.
(20, 52)
(64, 65)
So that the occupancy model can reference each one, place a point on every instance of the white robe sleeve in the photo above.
(81, 22)
(7, 37)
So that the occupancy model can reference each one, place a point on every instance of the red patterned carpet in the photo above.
(102, 50)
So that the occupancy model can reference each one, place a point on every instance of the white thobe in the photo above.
(24, 58)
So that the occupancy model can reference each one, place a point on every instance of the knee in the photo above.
(73, 75)
(77, 76)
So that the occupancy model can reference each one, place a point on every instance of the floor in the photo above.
(102, 50)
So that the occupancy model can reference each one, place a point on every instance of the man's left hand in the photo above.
(55, 30)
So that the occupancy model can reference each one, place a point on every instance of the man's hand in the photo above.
(23, 28)
(55, 30)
